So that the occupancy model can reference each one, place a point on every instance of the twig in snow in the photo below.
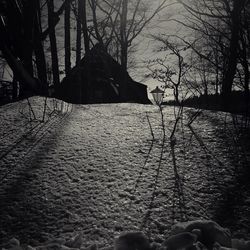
(44, 109)
(31, 111)
(178, 117)
(162, 122)
(174, 129)
(193, 117)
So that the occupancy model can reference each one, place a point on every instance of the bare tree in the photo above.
(53, 44)
(80, 12)
(232, 60)
(171, 74)
(203, 15)
(124, 20)
(78, 32)
(85, 32)
(67, 40)
(38, 45)
(20, 31)
(56, 18)
(244, 49)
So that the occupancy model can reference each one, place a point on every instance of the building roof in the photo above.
(98, 71)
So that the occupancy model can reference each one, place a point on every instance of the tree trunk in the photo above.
(84, 26)
(53, 45)
(245, 40)
(123, 88)
(232, 60)
(20, 71)
(78, 34)
(246, 81)
(27, 46)
(93, 6)
(21, 30)
(176, 94)
(87, 89)
(216, 75)
(67, 43)
(38, 47)
(28, 30)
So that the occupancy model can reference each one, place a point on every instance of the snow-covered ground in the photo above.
(95, 169)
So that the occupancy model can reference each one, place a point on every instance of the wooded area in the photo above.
(211, 57)
(114, 25)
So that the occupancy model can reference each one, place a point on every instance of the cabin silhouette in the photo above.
(96, 80)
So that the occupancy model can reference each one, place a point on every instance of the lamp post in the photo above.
(157, 94)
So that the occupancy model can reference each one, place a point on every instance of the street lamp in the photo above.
(157, 94)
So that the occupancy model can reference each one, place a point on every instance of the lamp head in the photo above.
(157, 94)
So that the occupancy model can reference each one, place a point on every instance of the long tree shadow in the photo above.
(240, 142)
(147, 216)
(178, 198)
(32, 129)
(28, 141)
(232, 209)
(179, 205)
(138, 180)
(24, 212)
(232, 205)
(21, 138)
(208, 154)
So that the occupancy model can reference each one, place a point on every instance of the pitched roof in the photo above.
(98, 70)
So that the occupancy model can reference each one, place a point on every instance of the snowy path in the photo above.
(96, 170)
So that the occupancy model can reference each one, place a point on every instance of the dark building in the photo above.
(96, 80)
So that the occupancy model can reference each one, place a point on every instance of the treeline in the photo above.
(26, 26)
(209, 54)
(212, 56)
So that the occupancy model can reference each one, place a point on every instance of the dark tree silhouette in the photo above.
(20, 32)
(122, 22)
(231, 63)
(67, 43)
(53, 44)
(220, 23)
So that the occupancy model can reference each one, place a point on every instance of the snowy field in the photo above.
(95, 169)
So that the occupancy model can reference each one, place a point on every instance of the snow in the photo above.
(95, 170)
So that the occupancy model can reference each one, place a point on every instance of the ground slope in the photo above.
(95, 169)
